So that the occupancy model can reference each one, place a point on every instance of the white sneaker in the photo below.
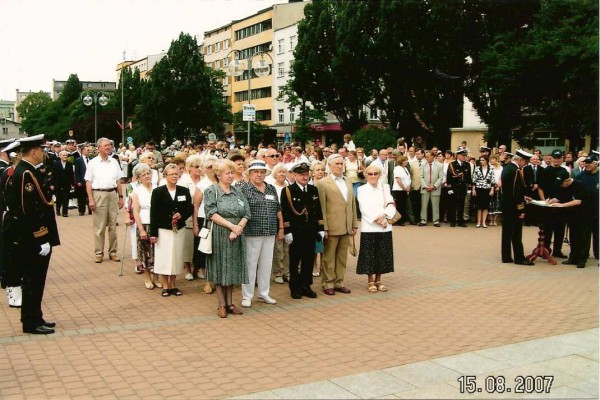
(279, 279)
(267, 300)
(246, 303)
(189, 277)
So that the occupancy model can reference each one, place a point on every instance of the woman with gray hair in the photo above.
(376, 256)
(140, 199)
(170, 207)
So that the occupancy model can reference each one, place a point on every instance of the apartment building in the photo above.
(144, 65)
(215, 49)
(58, 86)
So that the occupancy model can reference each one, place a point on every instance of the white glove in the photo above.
(45, 250)
(322, 234)
(288, 238)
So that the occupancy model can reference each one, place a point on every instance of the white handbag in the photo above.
(205, 245)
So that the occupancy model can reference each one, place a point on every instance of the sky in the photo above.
(44, 40)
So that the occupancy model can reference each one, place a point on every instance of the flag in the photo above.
(130, 125)
(120, 125)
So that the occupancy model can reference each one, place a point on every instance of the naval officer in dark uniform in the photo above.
(458, 181)
(35, 232)
(512, 204)
(303, 226)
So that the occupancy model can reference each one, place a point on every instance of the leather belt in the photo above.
(104, 190)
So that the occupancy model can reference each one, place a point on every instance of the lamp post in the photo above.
(236, 68)
(95, 98)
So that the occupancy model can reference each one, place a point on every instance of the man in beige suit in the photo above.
(339, 220)
(432, 173)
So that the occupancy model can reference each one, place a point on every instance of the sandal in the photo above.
(208, 289)
(372, 288)
(176, 292)
(222, 312)
(381, 287)
(149, 285)
(231, 309)
(165, 293)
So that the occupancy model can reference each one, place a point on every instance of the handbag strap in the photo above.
(207, 221)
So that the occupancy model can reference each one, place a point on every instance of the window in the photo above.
(280, 69)
(292, 43)
(281, 118)
(292, 115)
(253, 29)
(260, 93)
(225, 44)
(218, 64)
(218, 46)
(373, 113)
(5, 131)
(280, 46)
(209, 49)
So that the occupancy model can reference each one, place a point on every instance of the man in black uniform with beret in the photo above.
(458, 180)
(303, 226)
(512, 204)
(35, 232)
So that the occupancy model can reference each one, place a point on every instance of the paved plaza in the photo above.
(453, 310)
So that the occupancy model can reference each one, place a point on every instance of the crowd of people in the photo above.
(240, 216)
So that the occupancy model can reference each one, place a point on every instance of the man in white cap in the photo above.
(512, 204)
(35, 232)
(458, 180)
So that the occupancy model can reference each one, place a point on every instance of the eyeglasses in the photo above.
(173, 174)
(372, 173)
(209, 167)
(273, 156)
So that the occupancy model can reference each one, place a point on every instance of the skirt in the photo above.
(226, 265)
(145, 252)
(376, 255)
(168, 252)
(188, 245)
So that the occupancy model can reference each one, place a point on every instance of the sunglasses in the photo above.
(273, 156)
(372, 173)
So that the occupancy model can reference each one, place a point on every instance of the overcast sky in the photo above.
(51, 39)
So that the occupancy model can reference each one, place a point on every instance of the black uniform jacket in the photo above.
(301, 211)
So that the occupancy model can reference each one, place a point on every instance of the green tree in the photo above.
(182, 96)
(71, 92)
(331, 66)
(308, 114)
(374, 138)
(31, 110)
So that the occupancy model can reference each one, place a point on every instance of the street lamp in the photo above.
(237, 68)
(95, 98)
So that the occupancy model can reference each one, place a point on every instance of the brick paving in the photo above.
(450, 295)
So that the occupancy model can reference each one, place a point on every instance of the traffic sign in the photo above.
(129, 139)
(249, 113)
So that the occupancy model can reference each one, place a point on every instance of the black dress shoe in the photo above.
(40, 330)
(296, 295)
(581, 265)
(421, 224)
(452, 225)
(308, 293)
(49, 324)
(413, 223)
(81, 214)
(463, 225)
(510, 260)
(524, 262)
(559, 255)
(65, 215)
(568, 262)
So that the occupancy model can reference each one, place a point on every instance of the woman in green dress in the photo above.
(228, 209)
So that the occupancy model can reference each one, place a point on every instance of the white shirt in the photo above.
(374, 201)
(103, 174)
(143, 197)
(341, 184)
(202, 185)
(404, 175)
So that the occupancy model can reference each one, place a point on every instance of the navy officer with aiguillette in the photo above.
(35, 231)
(303, 226)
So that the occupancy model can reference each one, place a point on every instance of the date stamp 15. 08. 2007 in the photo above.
(499, 384)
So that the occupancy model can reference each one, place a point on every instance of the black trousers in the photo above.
(588, 230)
(35, 269)
(302, 257)
(554, 227)
(456, 204)
(62, 199)
(512, 236)
(400, 197)
(82, 199)
(415, 201)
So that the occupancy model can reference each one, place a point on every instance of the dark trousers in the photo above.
(62, 199)
(588, 229)
(456, 204)
(302, 257)
(444, 201)
(415, 201)
(35, 269)
(82, 199)
(400, 197)
(199, 258)
(554, 226)
(512, 236)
